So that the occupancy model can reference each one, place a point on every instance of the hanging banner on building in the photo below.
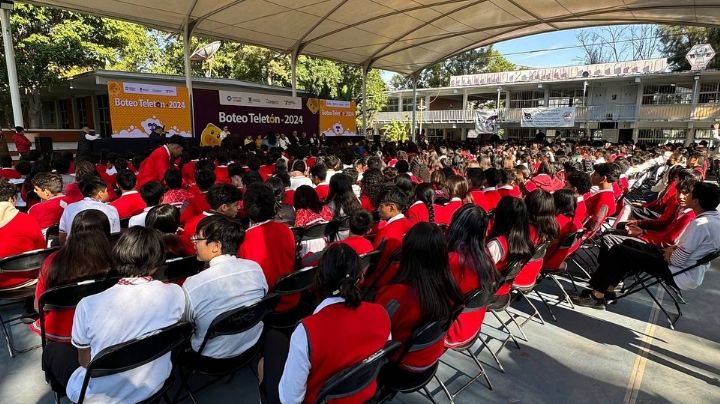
(486, 121)
(337, 118)
(137, 108)
(562, 117)
(250, 114)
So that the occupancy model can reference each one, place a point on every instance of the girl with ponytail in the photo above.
(423, 209)
(342, 331)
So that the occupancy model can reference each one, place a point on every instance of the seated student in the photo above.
(423, 210)
(151, 193)
(175, 194)
(544, 179)
(509, 237)
(84, 170)
(96, 194)
(298, 175)
(48, 187)
(541, 216)
(565, 205)
(422, 291)
(510, 188)
(269, 243)
(601, 204)
(360, 223)
(309, 209)
(471, 267)
(130, 203)
(341, 199)
(342, 331)
(494, 178)
(284, 213)
(139, 305)
(698, 240)
(458, 192)
(318, 176)
(522, 176)
(476, 176)
(654, 208)
(371, 189)
(198, 204)
(19, 233)
(580, 183)
(86, 255)
(222, 199)
(228, 283)
(392, 204)
(166, 219)
(6, 168)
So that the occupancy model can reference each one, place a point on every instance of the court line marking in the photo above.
(638, 370)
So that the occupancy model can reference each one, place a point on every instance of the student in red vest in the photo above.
(371, 189)
(545, 179)
(84, 170)
(471, 267)
(130, 203)
(85, 255)
(154, 166)
(422, 291)
(423, 209)
(222, 199)
(7, 171)
(198, 203)
(565, 203)
(318, 176)
(476, 176)
(48, 187)
(543, 228)
(19, 233)
(494, 178)
(341, 332)
(580, 183)
(391, 206)
(284, 213)
(458, 192)
(601, 204)
(510, 236)
(654, 208)
(510, 188)
(269, 243)
(360, 223)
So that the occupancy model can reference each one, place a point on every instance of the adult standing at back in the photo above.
(22, 143)
(160, 160)
(85, 140)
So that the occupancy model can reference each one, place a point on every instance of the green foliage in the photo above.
(396, 131)
(677, 40)
(481, 60)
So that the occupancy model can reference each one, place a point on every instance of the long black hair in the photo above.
(424, 267)
(467, 238)
(306, 198)
(342, 196)
(511, 221)
(565, 202)
(339, 274)
(541, 214)
(426, 194)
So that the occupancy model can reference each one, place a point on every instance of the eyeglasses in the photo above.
(195, 239)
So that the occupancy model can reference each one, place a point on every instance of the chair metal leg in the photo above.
(547, 306)
(485, 346)
(8, 338)
(507, 330)
(667, 315)
(429, 396)
(444, 388)
(564, 292)
(535, 313)
(512, 319)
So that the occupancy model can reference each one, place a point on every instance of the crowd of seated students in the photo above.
(448, 221)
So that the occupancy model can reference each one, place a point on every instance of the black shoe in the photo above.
(586, 299)
(610, 297)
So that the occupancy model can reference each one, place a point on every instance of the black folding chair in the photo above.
(28, 265)
(178, 268)
(501, 303)
(475, 300)
(523, 290)
(52, 235)
(293, 283)
(355, 379)
(369, 259)
(137, 352)
(643, 281)
(231, 322)
(567, 247)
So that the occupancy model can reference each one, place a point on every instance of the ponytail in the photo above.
(339, 274)
(431, 211)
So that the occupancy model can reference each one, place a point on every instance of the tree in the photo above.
(677, 41)
(480, 60)
(51, 44)
(618, 43)
(396, 131)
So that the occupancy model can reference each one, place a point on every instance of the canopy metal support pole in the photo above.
(187, 39)
(414, 110)
(11, 70)
(293, 70)
(365, 69)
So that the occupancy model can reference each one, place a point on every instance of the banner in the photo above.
(137, 108)
(486, 121)
(251, 114)
(337, 118)
(562, 117)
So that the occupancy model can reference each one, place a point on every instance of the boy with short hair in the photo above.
(48, 186)
(130, 203)
(95, 195)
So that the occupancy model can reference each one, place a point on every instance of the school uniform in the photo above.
(197, 205)
(468, 324)
(179, 198)
(289, 196)
(335, 337)
(190, 228)
(73, 209)
(581, 214)
(509, 190)
(359, 244)
(9, 173)
(366, 203)
(47, 213)
(129, 204)
(322, 191)
(153, 168)
(418, 212)
(601, 205)
(221, 174)
(393, 233)
(479, 199)
(546, 183)
(58, 323)
(492, 196)
(498, 248)
(668, 235)
(19, 233)
(188, 172)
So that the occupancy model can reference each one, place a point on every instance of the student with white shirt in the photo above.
(228, 283)
(342, 331)
(95, 194)
(135, 306)
(151, 193)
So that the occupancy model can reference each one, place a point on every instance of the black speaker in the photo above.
(44, 145)
(376, 139)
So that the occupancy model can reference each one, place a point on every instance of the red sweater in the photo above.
(322, 191)
(21, 234)
(129, 204)
(492, 197)
(393, 234)
(513, 191)
(58, 323)
(154, 166)
(9, 173)
(668, 235)
(188, 172)
(479, 199)
(22, 144)
(197, 205)
(340, 337)
(47, 213)
(418, 212)
(602, 198)
(444, 214)
(359, 244)
(468, 324)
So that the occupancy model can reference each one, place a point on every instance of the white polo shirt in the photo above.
(117, 315)
(88, 203)
(228, 283)
(139, 219)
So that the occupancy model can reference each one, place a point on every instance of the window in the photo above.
(104, 115)
(569, 97)
(64, 111)
(407, 104)
(667, 94)
(519, 133)
(527, 99)
(654, 136)
(392, 104)
(81, 106)
(48, 115)
(709, 93)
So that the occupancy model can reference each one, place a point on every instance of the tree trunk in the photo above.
(35, 109)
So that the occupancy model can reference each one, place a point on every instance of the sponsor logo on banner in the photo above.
(486, 121)
(136, 109)
(138, 88)
(240, 99)
(563, 117)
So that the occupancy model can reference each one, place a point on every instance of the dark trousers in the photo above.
(59, 361)
(275, 352)
(630, 255)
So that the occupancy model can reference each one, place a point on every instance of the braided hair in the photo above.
(426, 194)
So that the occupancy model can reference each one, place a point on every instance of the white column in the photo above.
(465, 100)
(414, 110)
(187, 35)
(293, 72)
(400, 102)
(11, 70)
(364, 100)
(690, 136)
(638, 106)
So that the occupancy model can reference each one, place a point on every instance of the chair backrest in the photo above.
(135, 352)
(571, 239)
(356, 378)
(314, 232)
(369, 259)
(240, 320)
(297, 233)
(27, 261)
(66, 297)
(296, 282)
(124, 223)
(427, 335)
(178, 268)
(479, 298)
(52, 231)
(511, 270)
(540, 251)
